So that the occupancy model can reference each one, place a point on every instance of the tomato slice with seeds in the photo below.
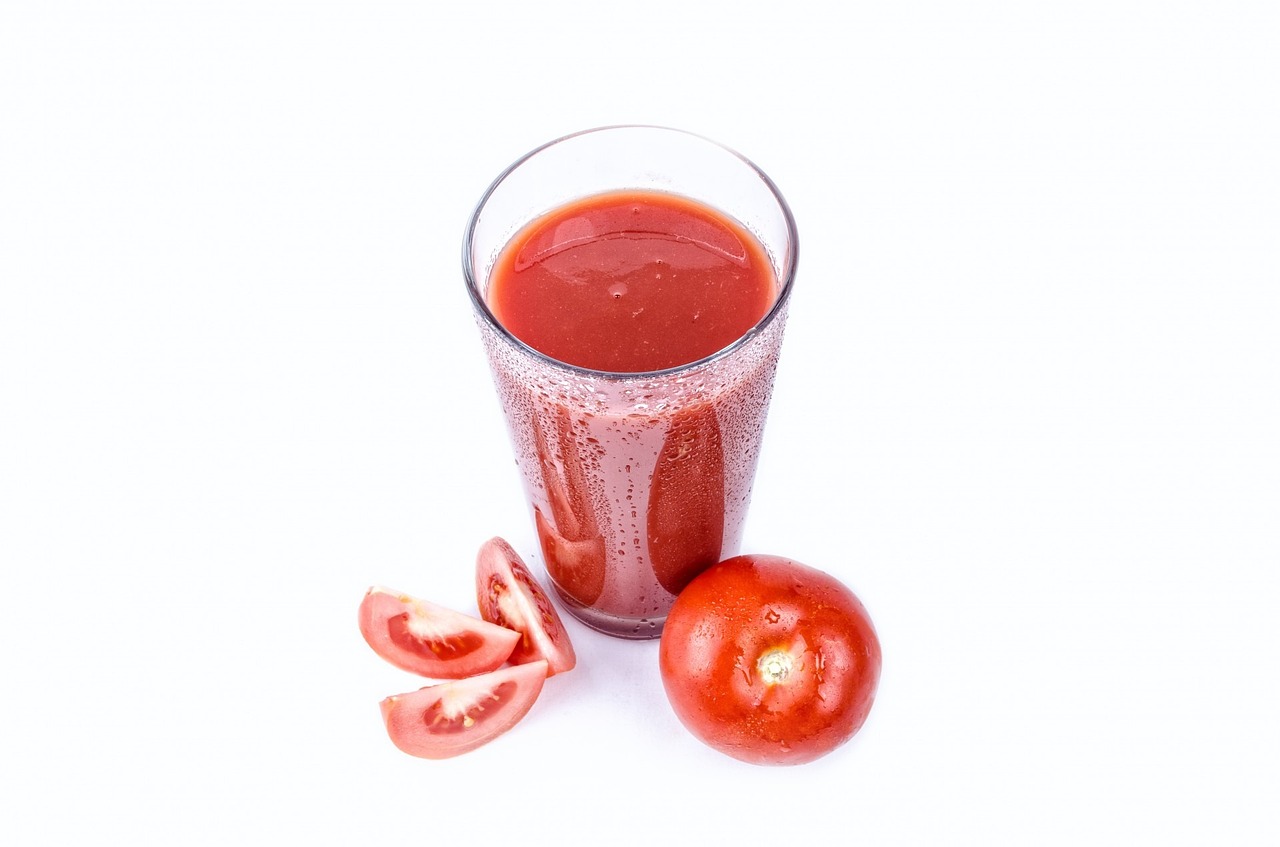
(509, 596)
(451, 718)
(430, 640)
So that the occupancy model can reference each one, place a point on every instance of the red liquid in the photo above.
(635, 494)
(631, 282)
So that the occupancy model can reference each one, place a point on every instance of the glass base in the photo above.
(634, 629)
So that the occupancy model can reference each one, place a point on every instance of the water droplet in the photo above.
(617, 290)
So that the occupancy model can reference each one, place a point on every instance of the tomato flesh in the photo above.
(451, 718)
(430, 640)
(509, 596)
(769, 661)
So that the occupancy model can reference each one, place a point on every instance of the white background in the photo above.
(1028, 410)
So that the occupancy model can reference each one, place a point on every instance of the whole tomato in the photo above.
(769, 661)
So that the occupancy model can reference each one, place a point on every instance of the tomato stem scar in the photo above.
(774, 666)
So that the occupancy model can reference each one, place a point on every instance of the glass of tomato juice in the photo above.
(631, 286)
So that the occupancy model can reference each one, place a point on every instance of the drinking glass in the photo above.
(636, 482)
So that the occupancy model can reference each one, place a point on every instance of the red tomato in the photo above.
(769, 661)
(430, 640)
(451, 718)
(510, 597)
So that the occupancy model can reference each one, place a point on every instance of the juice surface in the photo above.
(629, 282)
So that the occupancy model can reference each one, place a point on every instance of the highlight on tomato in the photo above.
(769, 661)
(451, 718)
(509, 596)
(430, 640)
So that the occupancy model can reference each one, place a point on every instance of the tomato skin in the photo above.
(769, 661)
(451, 718)
(430, 640)
(509, 596)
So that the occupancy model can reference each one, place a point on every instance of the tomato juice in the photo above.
(638, 457)
(629, 282)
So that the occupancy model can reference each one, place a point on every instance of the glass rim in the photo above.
(790, 261)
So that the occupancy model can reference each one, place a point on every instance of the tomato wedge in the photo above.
(430, 640)
(451, 718)
(510, 597)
